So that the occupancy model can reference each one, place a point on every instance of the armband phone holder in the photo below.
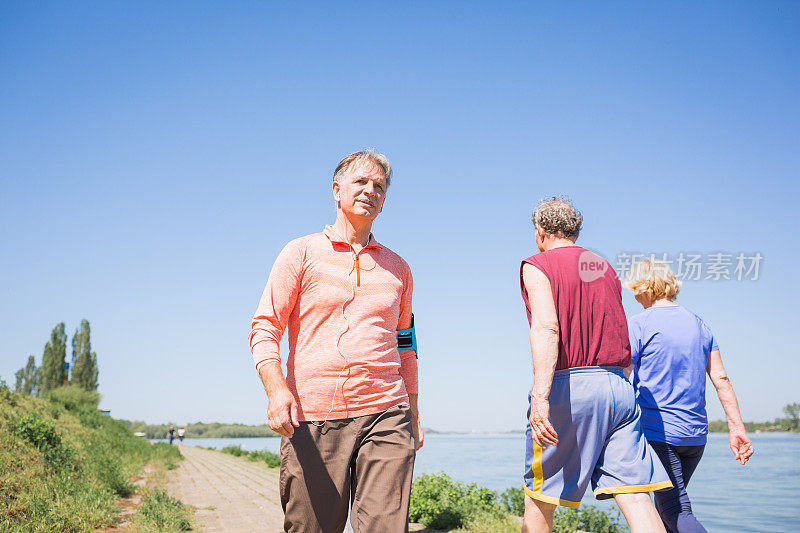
(407, 338)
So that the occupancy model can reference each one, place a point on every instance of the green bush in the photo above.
(74, 398)
(586, 518)
(42, 435)
(439, 502)
(234, 450)
(513, 500)
(273, 460)
(161, 513)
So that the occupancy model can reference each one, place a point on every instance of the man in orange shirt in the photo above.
(347, 408)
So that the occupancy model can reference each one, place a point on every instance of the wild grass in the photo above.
(272, 460)
(160, 513)
(63, 463)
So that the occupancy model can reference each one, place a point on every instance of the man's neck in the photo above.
(354, 232)
(557, 243)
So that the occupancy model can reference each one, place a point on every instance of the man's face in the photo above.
(362, 190)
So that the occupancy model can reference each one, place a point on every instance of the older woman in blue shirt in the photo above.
(672, 349)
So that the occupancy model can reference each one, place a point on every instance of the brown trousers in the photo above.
(367, 459)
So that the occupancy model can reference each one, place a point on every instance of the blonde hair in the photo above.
(653, 278)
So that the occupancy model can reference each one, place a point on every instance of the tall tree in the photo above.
(94, 374)
(55, 354)
(84, 360)
(793, 412)
(28, 378)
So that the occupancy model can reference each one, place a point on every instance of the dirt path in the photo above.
(230, 493)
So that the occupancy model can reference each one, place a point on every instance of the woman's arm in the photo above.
(740, 445)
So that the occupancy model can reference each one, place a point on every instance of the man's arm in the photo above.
(544, 347)
(408, 362)
(269, 323)
(740, 444)
(416, 421)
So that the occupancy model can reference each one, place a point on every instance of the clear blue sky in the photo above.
(155, 158)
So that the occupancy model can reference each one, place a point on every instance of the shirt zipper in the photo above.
(358, 272)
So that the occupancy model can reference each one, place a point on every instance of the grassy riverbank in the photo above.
(63, 465)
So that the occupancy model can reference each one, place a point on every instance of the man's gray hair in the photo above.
(368, 154)
(557, 216)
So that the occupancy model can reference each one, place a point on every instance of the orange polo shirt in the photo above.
(343, 311)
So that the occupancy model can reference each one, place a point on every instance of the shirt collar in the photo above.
(331, 234)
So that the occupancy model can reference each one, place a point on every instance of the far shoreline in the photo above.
(444, 433)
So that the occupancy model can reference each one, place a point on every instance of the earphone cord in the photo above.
(333, 400)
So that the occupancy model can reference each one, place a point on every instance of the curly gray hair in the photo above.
(368, 154)
(557, 216)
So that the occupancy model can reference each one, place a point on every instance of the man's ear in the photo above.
(336, 188)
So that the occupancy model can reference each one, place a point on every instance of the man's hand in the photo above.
(282, 412)
(542, 430)
(416, 428)
(741, 446)
(416, 422)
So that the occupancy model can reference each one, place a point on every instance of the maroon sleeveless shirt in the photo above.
(588, 300)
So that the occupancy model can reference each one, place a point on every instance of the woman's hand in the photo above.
(740, 445)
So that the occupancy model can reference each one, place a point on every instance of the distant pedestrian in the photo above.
(584, 423)
(672, 349)
(171, 434)
(181, 433)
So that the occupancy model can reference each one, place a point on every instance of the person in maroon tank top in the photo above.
(584, 423)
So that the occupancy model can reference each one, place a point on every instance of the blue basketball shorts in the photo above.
(600, 439)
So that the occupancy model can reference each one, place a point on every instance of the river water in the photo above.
(762, 496)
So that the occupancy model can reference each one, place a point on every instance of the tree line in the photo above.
(53, 373)
(789, 423)
(200, 430)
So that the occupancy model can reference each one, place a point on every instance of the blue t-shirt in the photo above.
(669, 348)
